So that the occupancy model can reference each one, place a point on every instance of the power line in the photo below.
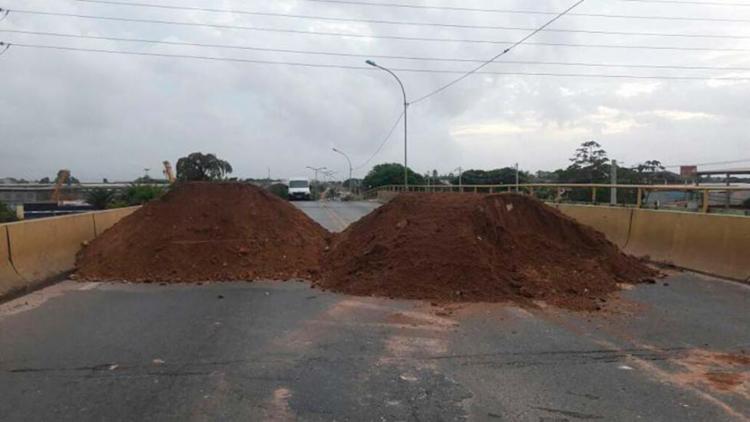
(382, 144)
(526, 12)
(697, 3)
(347, 67)
(497, 56)
(376, 56)
(389, 37)
(408, 23)
(715, 163)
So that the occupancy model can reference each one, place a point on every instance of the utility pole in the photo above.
(406, 107)
(460, 179)
(613, 189)
(518, 186)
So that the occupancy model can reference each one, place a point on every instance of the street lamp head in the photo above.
(371, 63)
(336, 150)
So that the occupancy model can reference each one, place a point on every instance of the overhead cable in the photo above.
(336, 66)
(497, 56)
(382, 144)
(367, 36)
(526, 12)
(407, 23)
(363, 55)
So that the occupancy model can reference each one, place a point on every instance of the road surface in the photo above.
(284, 351)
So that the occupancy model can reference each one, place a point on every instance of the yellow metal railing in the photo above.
(560, 189)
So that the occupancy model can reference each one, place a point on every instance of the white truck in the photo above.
(299, 189)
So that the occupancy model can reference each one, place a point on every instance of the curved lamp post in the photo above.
(406, 106)
(349, 162)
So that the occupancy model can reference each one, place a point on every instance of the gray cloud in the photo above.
(104, 115)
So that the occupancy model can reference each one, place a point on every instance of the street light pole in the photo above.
(406, 131)
(316, 170)
(348, 161)
(460, 179)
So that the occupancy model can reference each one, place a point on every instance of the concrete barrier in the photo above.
(713, 244)
(106, 219)
(385, 196)
(46, 248)
(10, 281)
(612, 221)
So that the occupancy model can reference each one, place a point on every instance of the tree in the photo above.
(66, 177)
(590, 154)
(502, 176)
(202, 167)
(653, 171)
(390, 174)
(136, 194)
(590, 164)
(100, 198)
(279, 189)
(6, 214)
(45, 181)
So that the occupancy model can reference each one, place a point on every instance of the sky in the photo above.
(106, 115)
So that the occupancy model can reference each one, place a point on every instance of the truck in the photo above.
(299, 189)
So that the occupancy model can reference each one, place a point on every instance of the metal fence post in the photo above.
(639, 201)
(706, 201)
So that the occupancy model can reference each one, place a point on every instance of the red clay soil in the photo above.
(207, 232)
(483, 248)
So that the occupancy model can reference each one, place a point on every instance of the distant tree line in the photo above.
(590, 163)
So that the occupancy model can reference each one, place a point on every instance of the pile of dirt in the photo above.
(484, 248)
(205, 232)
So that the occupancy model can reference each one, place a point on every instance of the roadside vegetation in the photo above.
(7, 215)
(590, 163)
(135, 194)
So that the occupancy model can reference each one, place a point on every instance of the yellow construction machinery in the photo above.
(63, 177)
(168, 172)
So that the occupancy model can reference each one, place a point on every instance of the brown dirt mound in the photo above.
(485, 248)
(205, 232)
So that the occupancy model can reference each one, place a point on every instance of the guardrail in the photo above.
(702, 196)
(32, 252)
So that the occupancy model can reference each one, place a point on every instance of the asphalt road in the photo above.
(284, 351)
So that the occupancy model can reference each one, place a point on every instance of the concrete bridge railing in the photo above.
(33, 252)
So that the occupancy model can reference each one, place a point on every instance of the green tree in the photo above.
(140, 194)
(202, 167)
(100, 198)
(6, 214)
(279, 189)
(390, 174)
(502, 176)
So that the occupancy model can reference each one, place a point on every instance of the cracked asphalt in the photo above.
(672, 351)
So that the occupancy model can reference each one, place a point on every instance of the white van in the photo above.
(299, 189)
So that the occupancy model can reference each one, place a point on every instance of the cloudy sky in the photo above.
(112, 115)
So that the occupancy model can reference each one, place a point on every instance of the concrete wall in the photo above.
(32, 252)
(613, 222)
(10, 280)
(708, 243)
(385, 196)
(106, 219)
